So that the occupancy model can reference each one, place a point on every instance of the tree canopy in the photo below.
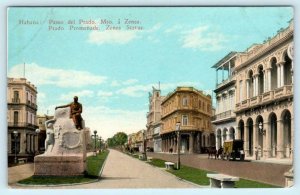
(118, 139)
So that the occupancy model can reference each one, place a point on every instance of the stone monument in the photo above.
(65, 147)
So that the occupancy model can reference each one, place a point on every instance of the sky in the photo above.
(112, 69)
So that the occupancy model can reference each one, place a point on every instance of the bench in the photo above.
(149, 158)
(169, 165)
(222, 181)
(23, 160)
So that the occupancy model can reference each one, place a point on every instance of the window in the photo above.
(16, 96)
(16, 117)
(185, 101)
(184, 120)
(199, 104)
(241, 90)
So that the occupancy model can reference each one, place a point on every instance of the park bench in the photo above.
(222, 181)
(23, 160)
(169, 165)
(149, 158)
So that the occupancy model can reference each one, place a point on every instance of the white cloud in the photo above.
(115, 84)
(105, 93)
(109, 121)
(173, 28)
(141, 90)
(130, 81)
(204, 38)
(112, 37)
(40, 75)
(81, 94)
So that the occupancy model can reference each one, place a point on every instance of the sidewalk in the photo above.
(121, 171)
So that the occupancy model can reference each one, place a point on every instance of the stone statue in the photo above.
(75, 112)
(65, 144)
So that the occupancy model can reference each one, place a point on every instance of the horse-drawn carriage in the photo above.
(233, 149)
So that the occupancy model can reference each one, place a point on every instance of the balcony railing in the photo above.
(224, 115)
(20, 124)
(15, 100)
(266, 97)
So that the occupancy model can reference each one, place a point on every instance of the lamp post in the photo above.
(260, 128)
(15, 138)
(100, 139)
(95, 139)
(178, 144)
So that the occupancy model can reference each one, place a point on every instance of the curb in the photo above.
(101, 170)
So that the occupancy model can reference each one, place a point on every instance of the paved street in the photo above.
(120, 171)
(265, 172)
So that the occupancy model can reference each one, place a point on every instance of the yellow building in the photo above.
(21, 118)
(193, 109)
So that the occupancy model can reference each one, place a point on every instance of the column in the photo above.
(247, 88)
(282, 74)
(256, 85)
(267, 140)
(22, 142)
(255, 138)
(280, 136)
(9, 143)
(265, 81)
(191, 144)
(278, 75)
(228, 135)
(246, 140)
(269, 79)
(217, 140)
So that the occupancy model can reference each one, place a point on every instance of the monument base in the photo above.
(58, 165)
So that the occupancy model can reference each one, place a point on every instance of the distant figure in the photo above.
(75, 112)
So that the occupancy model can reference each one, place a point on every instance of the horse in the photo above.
(219, 153)
(211, 151)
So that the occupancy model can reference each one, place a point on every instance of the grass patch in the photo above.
(94, 165)
(157, 162)
(244, 183)
(198, 176)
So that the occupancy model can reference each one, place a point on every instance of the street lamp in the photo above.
(95, 139)
(15, 136)
(260, 128)
(100, 144)
(178, 144)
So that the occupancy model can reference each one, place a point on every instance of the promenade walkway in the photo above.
(123, 171)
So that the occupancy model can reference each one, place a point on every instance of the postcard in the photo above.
(150, 97)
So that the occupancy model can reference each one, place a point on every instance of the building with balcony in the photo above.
(154, 120)
(21, 118)
(193, 109)
(264, 96)
(224, 119)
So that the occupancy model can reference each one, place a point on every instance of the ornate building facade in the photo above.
(224, 117)
(192, 108)
(263, 77)
(154, 120)
(264, 106)
(21, 118)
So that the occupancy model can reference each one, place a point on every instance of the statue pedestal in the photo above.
(58, 165)
(66, 155)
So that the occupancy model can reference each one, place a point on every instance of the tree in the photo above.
(118, 139)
